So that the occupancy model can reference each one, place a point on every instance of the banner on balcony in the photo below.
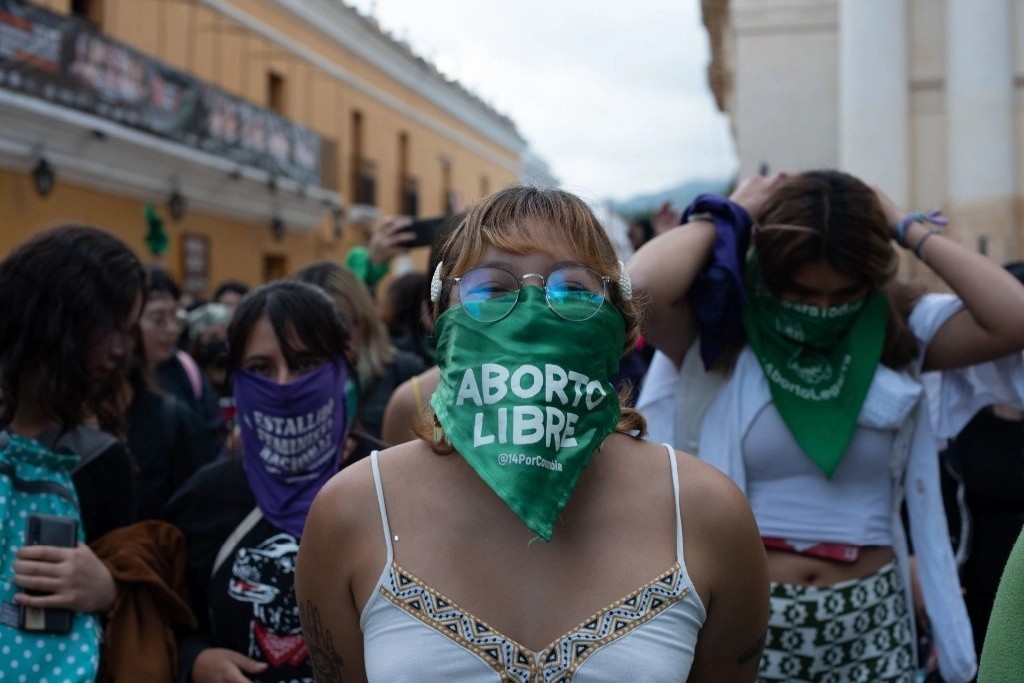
(68, 62)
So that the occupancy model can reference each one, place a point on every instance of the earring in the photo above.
(625, 284)
(439, 435)
(435, 284)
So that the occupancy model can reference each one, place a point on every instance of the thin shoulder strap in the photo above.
(244, 527)
(417, 393)
(383, 508)
(673, 463)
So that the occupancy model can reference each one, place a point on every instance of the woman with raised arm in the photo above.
(800, 365)
(531, 534)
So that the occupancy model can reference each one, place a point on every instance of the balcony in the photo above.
(112, 118)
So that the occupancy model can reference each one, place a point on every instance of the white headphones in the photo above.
(625, 284)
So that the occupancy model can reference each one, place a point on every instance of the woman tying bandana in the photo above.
(529, 535)
(243, 516)
(801, 360)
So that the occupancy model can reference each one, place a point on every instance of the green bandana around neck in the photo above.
(819, 363)
(527, 400)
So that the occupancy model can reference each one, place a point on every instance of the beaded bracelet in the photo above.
(920, 244)
(934, 217)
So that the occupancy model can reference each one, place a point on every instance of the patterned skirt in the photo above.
(853, 631)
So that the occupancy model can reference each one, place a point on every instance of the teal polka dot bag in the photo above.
(37, 481)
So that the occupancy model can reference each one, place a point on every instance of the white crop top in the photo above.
(792, 499)
(413, 633)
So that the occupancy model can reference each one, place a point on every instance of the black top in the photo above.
(104, 477)
(252, 607)
(106, 492)
(375, 398)
(988, 456)
(249, 604)
(168, 444)
(172, 378)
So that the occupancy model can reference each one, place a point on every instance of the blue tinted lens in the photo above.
(490, 310)
(575, 292)
(488, 294)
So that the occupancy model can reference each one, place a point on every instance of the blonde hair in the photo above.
(353, 300)
(522, 220)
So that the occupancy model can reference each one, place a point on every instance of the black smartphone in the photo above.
(424, 229)
(57, 531)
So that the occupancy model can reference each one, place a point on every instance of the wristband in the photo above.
(934, 217)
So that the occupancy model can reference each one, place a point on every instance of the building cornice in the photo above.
(338, 24)
(784, 16)
(102, 155)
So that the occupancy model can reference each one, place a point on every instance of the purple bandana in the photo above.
(717, 295)
(292, 437)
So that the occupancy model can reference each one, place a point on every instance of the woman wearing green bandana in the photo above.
(531, 534)
(809, 359)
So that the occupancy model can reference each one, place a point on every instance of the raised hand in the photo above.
(752, 192)
(388, 237)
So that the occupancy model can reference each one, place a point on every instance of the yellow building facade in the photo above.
(391, 133)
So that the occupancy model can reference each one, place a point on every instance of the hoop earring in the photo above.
(439, 436)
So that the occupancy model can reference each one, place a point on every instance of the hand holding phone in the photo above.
(424, 230)
(55, 531)
(389, 238)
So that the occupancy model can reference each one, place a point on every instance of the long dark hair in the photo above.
(61, 293)
(833, 217)
(297, 311)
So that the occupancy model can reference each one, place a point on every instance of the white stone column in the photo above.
(980, 123)
(874, 94)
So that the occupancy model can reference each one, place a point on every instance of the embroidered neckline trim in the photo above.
(506, 655)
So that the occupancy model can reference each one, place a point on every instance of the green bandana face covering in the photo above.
(526, 400)
(819, 363)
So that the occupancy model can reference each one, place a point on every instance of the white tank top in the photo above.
(792, 499)
(413, 633)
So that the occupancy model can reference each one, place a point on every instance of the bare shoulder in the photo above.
(703, 489)
(729, 569)
(346, 503)
(708, 486)
(344, 529)
(426, 382)
(714, 509)
(404, 405)
(351, 495)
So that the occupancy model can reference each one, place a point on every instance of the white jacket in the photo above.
(894, 402)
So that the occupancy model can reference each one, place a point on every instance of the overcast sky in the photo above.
(613, 95)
